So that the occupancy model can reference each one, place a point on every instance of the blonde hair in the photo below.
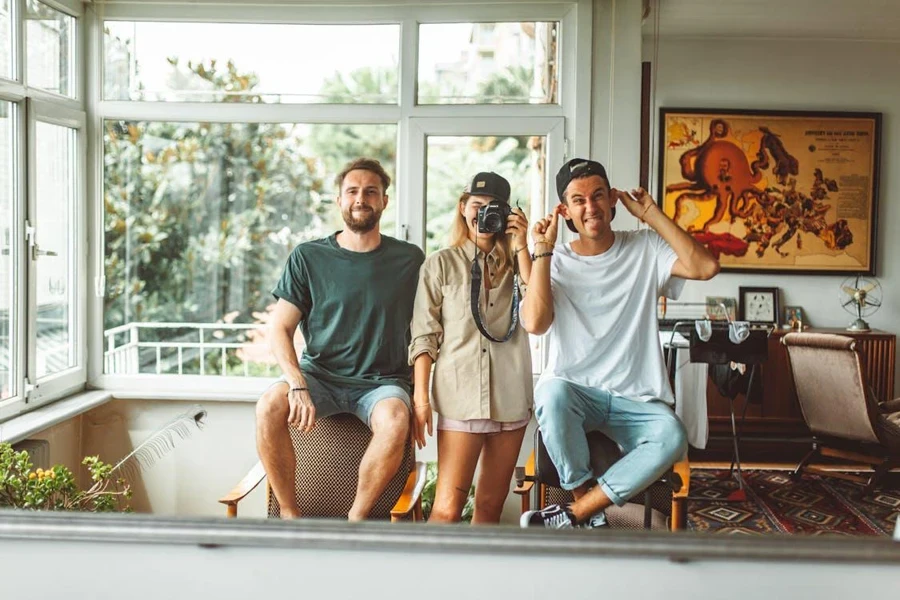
(459, 233)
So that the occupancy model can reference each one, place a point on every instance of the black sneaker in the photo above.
(553, 517)
(598, 521)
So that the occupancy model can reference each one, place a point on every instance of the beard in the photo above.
(363, 221)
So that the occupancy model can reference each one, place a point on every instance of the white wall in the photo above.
(796, 75)
(189, 479)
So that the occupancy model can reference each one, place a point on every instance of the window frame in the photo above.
(31, 104)
(572, 111)
(17, 354)
(55, 385)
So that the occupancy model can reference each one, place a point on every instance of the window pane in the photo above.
(453, 160)
(55, 197)
(5, 39)
(50, 36)
(7, 276)
(488, 63)
(240, 62)
(200, 219)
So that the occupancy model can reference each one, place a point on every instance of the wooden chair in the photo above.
(661, 506)
(327, 472)
(846, 419)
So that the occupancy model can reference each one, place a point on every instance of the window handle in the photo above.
(36, 251)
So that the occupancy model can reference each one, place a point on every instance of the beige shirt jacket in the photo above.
(474, 378)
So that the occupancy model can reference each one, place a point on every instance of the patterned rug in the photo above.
(775, 504)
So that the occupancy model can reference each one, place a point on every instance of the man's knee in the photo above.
(272, 407)
(390, 418)
(551, 399)
(673, 439)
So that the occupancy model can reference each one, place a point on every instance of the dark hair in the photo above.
(364, 164)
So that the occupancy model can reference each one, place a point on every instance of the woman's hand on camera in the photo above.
(544, 231)
(421, 420)
(517, 227)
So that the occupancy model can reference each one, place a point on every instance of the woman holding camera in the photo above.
(482, 389)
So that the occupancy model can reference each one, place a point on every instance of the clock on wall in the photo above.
(758, 305)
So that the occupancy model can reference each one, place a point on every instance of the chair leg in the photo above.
(880, 471)
(648, 510)
(679, 514)
(798, 472)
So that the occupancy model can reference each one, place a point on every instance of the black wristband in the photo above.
(300, 389)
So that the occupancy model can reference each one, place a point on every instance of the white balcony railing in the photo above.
(187, 348)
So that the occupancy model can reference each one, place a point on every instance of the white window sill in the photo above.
(20, 427)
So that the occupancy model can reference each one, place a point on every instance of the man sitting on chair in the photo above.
(352, 295)
(605, 370)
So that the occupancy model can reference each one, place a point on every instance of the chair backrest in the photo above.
(830, 380)
(327, 469)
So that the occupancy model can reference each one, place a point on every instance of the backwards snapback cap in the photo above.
(489, 184)
(576, 169)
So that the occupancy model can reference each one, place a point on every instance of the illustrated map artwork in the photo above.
(773, 191)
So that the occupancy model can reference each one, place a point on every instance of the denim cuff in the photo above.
(617, 499)
(578, 482)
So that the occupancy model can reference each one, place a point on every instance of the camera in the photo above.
(492, 217)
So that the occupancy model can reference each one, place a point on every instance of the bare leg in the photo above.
(390, 429)
(589, 503)
(498, 460)
(457, 456)
(273, 443)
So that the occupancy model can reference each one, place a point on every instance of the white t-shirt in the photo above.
(605, 332)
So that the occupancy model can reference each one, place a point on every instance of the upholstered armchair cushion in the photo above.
(831, 386)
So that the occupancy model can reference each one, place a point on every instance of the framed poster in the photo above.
(774, 191)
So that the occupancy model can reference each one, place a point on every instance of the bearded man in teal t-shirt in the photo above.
(352, 296)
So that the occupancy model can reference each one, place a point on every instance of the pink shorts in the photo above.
(479, 425)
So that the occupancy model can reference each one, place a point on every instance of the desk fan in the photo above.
(860, 296)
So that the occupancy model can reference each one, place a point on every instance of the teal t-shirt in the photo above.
(356, 307)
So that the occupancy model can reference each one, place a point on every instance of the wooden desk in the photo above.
(775, 411)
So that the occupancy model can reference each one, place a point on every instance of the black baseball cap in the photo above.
(489, 184)
(576, 169)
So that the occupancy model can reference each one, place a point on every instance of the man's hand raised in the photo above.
(638, 201)
(545, 230)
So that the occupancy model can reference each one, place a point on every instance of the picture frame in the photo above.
(769, 191)
(715, 312)
(759, 305)
(793, 317)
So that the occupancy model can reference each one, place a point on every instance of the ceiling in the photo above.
(806, 19)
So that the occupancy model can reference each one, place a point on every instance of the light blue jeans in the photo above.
(649, 433)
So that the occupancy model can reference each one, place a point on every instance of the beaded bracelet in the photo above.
(541, 255)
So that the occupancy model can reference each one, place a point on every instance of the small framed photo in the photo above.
(720, 308)
(793, 317)
(759, 305)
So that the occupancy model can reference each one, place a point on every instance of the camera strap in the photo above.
(476, 305)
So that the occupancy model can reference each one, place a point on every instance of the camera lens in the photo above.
(492, 223)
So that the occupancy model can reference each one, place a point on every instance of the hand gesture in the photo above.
(421, 419)
(638, 201)
(302, 414)
(544, 231)
(517, 227)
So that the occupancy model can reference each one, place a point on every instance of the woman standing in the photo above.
(482, 389)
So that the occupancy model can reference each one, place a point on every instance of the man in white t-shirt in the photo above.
(597, 299)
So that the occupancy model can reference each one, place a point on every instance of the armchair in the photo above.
(846, 419)
(327, 472)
